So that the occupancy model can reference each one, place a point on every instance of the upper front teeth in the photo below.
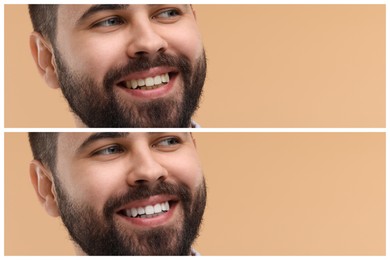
(148, 210)
(148, 82)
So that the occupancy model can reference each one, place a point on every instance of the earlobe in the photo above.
(42, 181)
(43, 57)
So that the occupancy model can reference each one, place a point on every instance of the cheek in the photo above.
(186, 39)
(186, 169)
(94, 184)
(94, 55)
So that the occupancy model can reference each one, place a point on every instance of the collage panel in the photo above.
(267, 193)
(267, 66)
(307, 179)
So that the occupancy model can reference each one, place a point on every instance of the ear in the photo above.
(42, 181)
(43, 56)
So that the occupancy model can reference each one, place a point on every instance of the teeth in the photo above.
(141, 210)
(141, 82)
(148, 211)
(134, 212)
(148, 83)
(157, 208)
(157, 80)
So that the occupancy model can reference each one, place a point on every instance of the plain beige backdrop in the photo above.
(269, 194)
(269, 66)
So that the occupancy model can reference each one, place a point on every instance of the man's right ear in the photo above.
(42, 53)
(42, 181)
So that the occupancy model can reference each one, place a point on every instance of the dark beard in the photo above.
(99, 106)
(98, 234)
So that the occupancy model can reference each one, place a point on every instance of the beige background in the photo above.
(269, 66)
(269, 194)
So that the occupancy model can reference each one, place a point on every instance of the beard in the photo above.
(97, 105)
(99, 234)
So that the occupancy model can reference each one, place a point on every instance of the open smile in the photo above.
(148, 80)
(149, 213)
(151, 84)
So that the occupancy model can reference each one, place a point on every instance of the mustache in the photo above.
(144, 191)
(144, 62)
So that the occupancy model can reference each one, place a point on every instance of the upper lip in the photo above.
(149, 201)
(148, 73)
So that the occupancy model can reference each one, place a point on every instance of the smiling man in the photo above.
(122, 65)
(121, 193)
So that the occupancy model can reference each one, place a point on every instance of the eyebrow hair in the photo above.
(98, 8)
(98, 136)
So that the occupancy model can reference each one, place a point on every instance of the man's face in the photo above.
(130, 65)
(130, 193)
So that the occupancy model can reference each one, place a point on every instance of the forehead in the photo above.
(77, 10)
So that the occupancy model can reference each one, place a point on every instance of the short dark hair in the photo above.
(44, 148)
(44, 20)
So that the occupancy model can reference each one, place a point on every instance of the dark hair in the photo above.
(44, 148)
(44, 20)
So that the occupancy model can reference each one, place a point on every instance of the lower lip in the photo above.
(152, 93)
(152, 222)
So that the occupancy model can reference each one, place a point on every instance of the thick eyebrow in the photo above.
(98, 8)
(98, 136)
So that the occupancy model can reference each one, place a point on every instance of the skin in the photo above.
(93, 172)
(119, 35)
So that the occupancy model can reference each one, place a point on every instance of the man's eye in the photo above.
(167, 142)
(109, 150)
(113, 21)
(168, 14)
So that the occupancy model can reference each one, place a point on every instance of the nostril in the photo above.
(141, 182)
(141, 53)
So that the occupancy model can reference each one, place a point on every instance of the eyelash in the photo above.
(176, 141)
(170, 11)
(110, 148)
(102, 23)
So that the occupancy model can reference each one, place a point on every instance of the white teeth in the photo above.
(149, 82)
(141, 82)
(157, 208)
(134, 83)
(163, 207)
(141, 210)
(157, 80)
(134, 212)
(147, 211)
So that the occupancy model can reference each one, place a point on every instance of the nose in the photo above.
(146, 39)
(145, 169)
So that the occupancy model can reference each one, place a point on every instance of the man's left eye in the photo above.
(109, 150)
(167, 14)
(168, 142)
(109, 22)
